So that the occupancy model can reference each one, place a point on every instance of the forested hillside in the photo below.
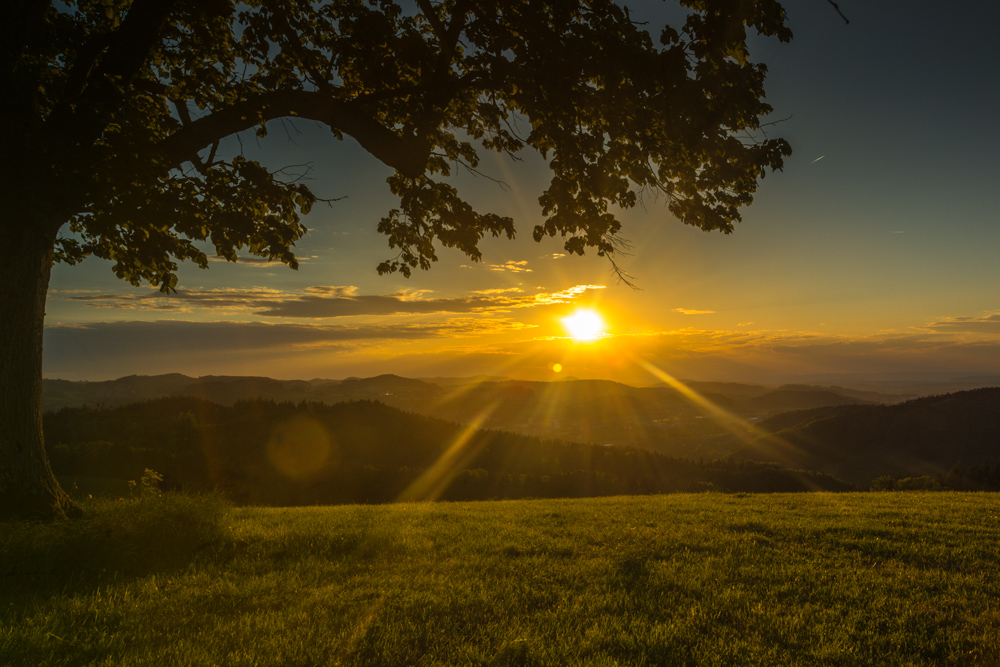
(263, 452)
(659, 418)
(925, 436)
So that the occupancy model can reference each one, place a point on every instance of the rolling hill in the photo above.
(596, 411)
(262, 452)
(925, 436)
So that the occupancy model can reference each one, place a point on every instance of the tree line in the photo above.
(960, 477)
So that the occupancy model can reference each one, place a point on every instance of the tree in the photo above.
(114, 112)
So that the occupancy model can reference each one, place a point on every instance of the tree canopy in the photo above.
(123, 105)
(115, 112)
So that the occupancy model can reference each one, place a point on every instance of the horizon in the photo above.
(930, 381)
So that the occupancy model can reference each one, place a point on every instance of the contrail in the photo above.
(817, 159)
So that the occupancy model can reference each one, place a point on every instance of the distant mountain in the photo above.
(387, 384)
(798, 397)
(224, 389)
(925, 436)
(835, 394)
(732, 390)
(908, 385)
(63, 393)
(461, 381)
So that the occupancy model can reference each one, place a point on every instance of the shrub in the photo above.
(131, 537)
(922, 483)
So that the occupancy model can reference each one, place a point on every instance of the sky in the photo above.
(872, 254)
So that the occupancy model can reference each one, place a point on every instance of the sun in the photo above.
(584, 324)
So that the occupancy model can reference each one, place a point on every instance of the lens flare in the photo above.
(299, 447)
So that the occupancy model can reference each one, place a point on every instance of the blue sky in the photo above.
(872, 252)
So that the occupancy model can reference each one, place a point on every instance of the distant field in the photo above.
(707, 579)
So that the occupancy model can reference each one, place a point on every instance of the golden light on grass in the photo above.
(584, 324)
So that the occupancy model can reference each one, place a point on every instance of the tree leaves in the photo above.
(616, 112)
(432, 212)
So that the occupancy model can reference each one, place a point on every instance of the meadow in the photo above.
(685, 579)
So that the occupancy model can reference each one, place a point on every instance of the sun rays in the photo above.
(575, 409)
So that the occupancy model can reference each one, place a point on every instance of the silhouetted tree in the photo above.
(113, 113)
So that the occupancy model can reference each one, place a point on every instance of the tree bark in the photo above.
(28, 489)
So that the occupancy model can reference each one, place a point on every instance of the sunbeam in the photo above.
(744, 431)
(433, 482)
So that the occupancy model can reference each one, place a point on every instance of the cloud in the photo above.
(321, 302)
(689, 311)
(109, 340)
(252, 260)
(333, 290)
(183, 300)
(308, 306)
(498, 290)
(985, 324)
(564, 296)
(804, 352)
(511, 266)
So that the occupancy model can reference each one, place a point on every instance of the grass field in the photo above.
(708, 579)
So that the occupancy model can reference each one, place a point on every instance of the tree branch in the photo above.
(182, 111)
(132, 42)
(432, 18)
(837, 7)
(407, 154)
(440, 83)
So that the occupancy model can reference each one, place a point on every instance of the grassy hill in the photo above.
(706, 579)
(925, 436)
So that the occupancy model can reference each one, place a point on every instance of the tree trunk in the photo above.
(28, 488)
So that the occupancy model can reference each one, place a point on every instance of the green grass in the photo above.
(805, 579)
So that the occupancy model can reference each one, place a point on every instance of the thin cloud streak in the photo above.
(511, 266)
(321, 302)
(251, 260)
(260, 335)
(985, 324)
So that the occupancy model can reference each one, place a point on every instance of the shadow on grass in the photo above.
(117, 539)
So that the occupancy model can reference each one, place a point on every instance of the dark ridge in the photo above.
(923, 436)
